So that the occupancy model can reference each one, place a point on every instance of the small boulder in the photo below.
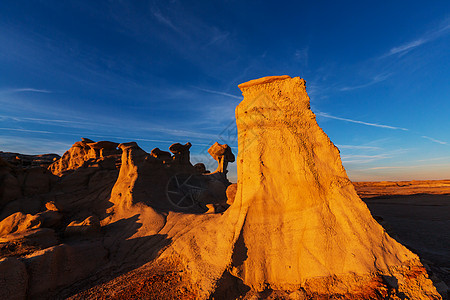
(51, 205)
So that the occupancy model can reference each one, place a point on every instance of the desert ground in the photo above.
(417, 214)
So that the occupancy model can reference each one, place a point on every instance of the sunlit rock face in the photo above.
(302, 217)
(85, 152)
(297, 227)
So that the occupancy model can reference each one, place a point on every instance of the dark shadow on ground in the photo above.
(421, 222)
(125, 254)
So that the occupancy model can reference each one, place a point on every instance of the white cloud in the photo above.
(326, 115)
(362, 159)
(218, 93)
(375, 80)
(425, 38)
(25, 90)
(301, 55)
(357, 147)
(166, 21)
(434, 140)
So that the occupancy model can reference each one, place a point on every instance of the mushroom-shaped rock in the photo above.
(181, 153)
(223, 155)
(162, 155)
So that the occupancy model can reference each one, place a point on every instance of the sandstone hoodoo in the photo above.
(303, 223)
(110, 220)
(297, 226)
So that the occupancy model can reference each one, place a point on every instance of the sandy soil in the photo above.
(380, 188)
(417, 214)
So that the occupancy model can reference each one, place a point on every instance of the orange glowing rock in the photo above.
(296, 224)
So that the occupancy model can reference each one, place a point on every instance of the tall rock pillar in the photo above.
(302, 221)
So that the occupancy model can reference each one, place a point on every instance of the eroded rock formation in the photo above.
(296, 225)
(84, 152)
(321, 229)
(120, 222)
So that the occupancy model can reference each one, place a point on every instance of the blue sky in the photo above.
(158, 72)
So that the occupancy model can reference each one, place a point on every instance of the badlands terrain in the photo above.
(112, 221)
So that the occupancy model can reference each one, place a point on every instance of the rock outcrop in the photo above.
(83, 152)
(165, 156)
(17, 182)
(296, 225)
(321, 229)
(181, 153)
(28, 161)
(116, 215)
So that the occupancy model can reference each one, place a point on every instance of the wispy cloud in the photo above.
(217, 37)
(407, 47)
(362, 159)
(406, 167)
(435, 158)
(375, 80)
(165, 20)
(443, 29)
(29, 130)
(32, 145)
(218, 93)
(301, 55)
(120, 138)
(326, 115)
(48, 121)
(434, 140)
(26, 90)
(357, 147)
